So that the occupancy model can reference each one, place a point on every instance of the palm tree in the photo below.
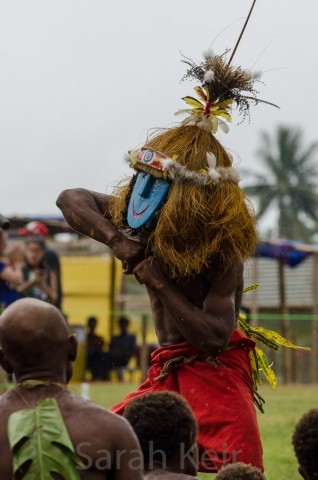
(290, 183)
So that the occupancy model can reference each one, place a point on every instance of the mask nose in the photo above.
(146, 186)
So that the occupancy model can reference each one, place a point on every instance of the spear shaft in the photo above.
(241, 34)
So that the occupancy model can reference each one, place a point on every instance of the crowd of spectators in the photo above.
(29, 267)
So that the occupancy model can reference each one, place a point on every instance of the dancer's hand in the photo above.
(149, 273)
(131, 253)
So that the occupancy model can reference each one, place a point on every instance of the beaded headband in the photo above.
(161, 166)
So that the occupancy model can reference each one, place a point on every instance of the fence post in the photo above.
(314, 331)
(254, 302)
(284, 324)
(144, 348)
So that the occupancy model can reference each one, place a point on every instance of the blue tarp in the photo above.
(288, 251)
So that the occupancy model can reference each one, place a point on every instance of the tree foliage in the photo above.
(289, 183)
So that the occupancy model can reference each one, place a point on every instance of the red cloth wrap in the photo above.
(220, 395)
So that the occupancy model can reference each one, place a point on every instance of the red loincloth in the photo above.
(220, 394)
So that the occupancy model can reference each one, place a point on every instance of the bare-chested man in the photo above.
(184, 228)
(37, 348)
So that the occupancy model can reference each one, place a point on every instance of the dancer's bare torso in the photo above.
(199, 291)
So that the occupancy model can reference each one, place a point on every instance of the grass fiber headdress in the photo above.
(206, 216)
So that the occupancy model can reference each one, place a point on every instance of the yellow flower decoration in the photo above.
(204, 109)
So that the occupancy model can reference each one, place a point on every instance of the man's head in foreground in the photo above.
(166, 429)
(35, 341)
(305, 443)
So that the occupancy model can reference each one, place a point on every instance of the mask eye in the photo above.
(148, 156)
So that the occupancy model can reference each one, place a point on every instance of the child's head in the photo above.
(305, 443)
(166, 429)
(240, 471)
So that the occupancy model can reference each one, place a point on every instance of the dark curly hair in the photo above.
(240, 471)
(162, 421)
(305, 442)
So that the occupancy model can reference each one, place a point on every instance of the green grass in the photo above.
(283, 408)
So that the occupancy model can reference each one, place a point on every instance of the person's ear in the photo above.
(72, 348)
(4, 362)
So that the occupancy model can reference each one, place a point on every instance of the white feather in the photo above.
(127, 157)
(214, 174)
(211, 159)
(224, 126)
(208, 76)
(166, 163)
(208, 54)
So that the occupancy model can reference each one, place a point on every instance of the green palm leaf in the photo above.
(266, 369)
(258, 359)
(40, 443)
(289, 183)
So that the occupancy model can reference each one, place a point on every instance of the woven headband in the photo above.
(161, 166)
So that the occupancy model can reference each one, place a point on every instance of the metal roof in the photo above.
(299, 283)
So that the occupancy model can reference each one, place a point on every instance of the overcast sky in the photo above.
(82, 81)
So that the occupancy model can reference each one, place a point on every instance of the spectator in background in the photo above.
(40, 280)
(166, 429)
(305, 443)
(94, 347)
(121, 349)
(52, 259)
(10, 273)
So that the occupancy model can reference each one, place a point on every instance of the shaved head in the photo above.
(34, 335)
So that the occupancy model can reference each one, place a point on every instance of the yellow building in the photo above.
(88, 291)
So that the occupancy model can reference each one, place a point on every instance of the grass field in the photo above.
(283, 408)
